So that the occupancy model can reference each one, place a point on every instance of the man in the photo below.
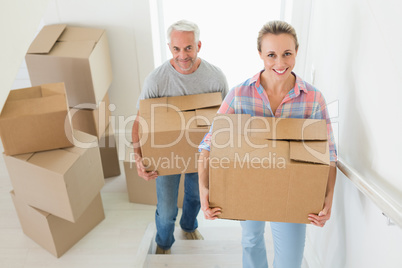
(184, 74)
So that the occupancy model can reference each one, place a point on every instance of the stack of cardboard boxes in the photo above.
(55, 171)
(58, 143)
(80, 58)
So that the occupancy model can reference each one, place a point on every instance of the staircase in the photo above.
(220, 249)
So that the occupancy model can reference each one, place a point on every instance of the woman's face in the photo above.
(278, 53)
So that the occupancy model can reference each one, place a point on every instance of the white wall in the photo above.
(19, 20)
(229, 39)
(128, 27)
(354, 47)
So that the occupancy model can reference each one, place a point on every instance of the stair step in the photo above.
(214, 233)
(206, 247)
(194, 261)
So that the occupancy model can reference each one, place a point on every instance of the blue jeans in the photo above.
(167, 188)
(288, 238)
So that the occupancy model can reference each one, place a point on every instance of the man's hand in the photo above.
(142, 172)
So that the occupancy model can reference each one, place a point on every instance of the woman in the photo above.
(275, 91)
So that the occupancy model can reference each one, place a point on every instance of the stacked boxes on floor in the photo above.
(52, 134)
(80, 58)
(55, 171)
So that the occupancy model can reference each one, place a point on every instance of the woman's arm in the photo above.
(325, 213)
(203, 181)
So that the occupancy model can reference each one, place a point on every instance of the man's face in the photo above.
(184, 51)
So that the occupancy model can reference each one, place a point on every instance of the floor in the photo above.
(113, 243)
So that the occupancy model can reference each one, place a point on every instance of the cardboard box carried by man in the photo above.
(171, 128)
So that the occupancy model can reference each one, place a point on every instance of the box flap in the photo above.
(37, 106)
(182, 103)
(233, 123)
(53, 89)
(288, 128)
(81, 34)
(46, 38)
(24, 93)
(23, 157)
(81, 49)
(35, 100)
(310, 151)
(192, 102)
(205, 116)
(44, 213)
(248, 149)
(145, 105)
(58, 161)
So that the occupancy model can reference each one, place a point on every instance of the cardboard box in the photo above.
(77, 56)
(62, 182)
(109, 154)
(92, 121)
(268, 169)
(171, 128)
(55, 234)
(35, 119)
(141, 191)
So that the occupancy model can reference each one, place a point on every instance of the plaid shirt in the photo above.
(303, 101)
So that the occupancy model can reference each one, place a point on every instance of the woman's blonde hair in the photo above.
(276, 27)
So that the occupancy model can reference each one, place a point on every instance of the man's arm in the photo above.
(203, 177)
(138, 154)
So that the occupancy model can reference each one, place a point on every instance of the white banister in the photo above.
(386, 198)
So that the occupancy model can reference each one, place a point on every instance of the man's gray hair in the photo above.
(184, 26)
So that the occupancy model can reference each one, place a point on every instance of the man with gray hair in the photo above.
(184, 74)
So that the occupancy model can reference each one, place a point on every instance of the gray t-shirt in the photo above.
(165, 81)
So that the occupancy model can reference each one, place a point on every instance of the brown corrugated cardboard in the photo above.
(171, 128)
(35, 119)
(62, 182)
(77, 56)
(53, 233)
(109, 154)
(92, 119)
(268, 169)
(141, 191)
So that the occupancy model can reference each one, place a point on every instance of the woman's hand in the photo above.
(203, 176)
(209, 213)
(323, 216)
